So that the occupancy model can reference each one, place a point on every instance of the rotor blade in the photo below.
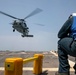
(37, 10)
(39, 24)
(8, 15)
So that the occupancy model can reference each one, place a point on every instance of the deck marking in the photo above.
(31, 69)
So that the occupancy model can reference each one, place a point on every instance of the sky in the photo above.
(53, 16)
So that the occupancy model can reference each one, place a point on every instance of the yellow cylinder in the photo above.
(38, 64)
(13, 66)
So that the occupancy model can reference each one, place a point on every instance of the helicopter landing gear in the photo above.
(13, 30)
(22, 35)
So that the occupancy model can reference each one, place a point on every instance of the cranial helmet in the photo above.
(73, 14)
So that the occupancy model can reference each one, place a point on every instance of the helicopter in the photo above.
(20, 24)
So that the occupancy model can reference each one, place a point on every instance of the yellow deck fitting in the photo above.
(29, 59)
(38, 64)
(13, 66)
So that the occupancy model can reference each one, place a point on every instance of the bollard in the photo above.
(13, 66)
(38, 64)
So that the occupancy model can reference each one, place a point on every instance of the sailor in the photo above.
(67, 45)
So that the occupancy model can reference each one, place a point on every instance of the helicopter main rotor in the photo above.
(36, 11)
(8, 15)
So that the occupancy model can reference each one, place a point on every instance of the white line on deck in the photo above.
(31, 69)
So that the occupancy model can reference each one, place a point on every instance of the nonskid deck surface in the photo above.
(50, 62)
